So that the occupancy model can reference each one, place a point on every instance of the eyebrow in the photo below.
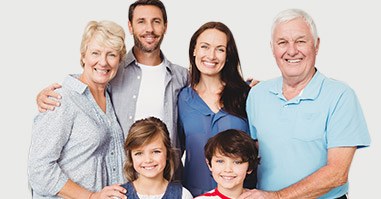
(202, 42)
(144, 18)
(299, 37)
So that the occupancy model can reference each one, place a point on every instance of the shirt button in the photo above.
(138, 77)
(130, 117)
(134, 96)
(112, 153)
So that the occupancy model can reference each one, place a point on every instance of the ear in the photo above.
(130, 27)
(272, 48)
(209, 165)
(165, 27)
(317, 46)
(83, 61)
(249, 172)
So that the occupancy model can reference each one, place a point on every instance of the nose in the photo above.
(211, 53)
(149, 27)
(147, 158)
(292, 49)
(228, 167)
(102, 60)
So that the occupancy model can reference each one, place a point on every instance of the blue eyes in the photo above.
(235, 162)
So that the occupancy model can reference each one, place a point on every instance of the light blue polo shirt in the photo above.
(294, 136)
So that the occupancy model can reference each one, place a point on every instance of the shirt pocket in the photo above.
(309, 126)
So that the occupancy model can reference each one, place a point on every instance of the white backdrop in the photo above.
(40, 45)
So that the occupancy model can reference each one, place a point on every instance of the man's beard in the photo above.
(143, 48)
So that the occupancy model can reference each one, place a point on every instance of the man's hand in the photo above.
(252, 82)
(47, 99)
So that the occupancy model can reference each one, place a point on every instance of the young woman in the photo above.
(214, 101)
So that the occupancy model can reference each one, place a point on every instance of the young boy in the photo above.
(230, 156)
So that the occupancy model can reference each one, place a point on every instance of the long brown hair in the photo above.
(234, 94)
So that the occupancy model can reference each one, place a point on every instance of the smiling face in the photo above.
(100, 64)
(148, 27)
(210, 52)
(229, 173)
(294, 50)
(149, 160)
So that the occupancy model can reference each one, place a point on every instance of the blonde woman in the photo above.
(76, 149)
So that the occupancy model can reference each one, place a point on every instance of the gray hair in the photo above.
(291, 14)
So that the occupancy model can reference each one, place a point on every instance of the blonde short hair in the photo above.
(108, 33)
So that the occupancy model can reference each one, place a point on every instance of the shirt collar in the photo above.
(310, 92)
(130, 58)
(76, 85)
(194, 100)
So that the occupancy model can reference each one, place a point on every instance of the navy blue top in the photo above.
(197, 124)
(174, 190)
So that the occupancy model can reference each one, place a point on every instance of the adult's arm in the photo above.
(73, 191)
(332, 175)
(47, 99)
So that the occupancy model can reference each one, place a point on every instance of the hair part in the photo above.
(234, 144)
(107, 33)
(141, 133)
(291, 14)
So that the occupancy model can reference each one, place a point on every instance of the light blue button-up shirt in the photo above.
(294, 135)
(76, 141)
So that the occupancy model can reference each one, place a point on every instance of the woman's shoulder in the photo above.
(186, 92)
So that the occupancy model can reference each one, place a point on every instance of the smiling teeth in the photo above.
(209, 64)
(227, 177)
(149, 168)
(293, 60)
(101, 71)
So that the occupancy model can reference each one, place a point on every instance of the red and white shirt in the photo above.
(212, 194)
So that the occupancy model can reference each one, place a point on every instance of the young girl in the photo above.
(230, 155)
(149, 165)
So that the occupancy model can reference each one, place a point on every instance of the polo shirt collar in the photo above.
(310, 92)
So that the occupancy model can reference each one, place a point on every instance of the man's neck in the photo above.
(147, 58)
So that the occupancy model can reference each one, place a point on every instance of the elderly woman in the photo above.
(77, 149)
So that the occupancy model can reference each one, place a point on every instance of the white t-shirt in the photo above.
(150, 101)
(186, 195)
